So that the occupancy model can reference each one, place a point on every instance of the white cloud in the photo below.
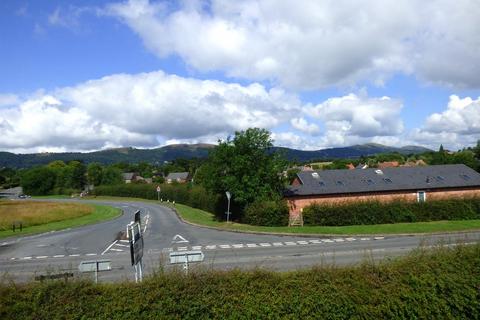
(456, 127)
(315, 44)
(141, 110)
(8, 99)
(302, 125)
(352, 118)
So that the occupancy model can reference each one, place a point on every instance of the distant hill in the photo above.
(188, 151)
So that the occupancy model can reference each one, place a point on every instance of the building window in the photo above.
(421, 196)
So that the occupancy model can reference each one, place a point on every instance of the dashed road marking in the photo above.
(224, 246)
(41, 257)
(74, 255)
(290, 243)
(302, 242)
(211, 247)
(91, 254)
(338, 240)
(182, 248)
(12, 258)
(265, 244)
(364, 239)
(316, 241)
(122, 245)
(59, 256)
(124, 241)
(251, 245)
(350, 239)
(327, 240)
(237, 246)
(378, 238)
(197, 248)
(277, 244)
(117, 250)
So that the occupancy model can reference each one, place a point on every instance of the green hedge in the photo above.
(195, 196)
(439, 284)
(374, 212)
(267, 213)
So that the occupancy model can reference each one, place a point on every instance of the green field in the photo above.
(38, 217)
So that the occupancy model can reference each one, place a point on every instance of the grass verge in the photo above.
(442, 283)
(201, 217)
(96, 214)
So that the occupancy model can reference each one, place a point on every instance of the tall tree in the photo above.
(38, 181)
(245, 166)
(94, 173)
(112, 175)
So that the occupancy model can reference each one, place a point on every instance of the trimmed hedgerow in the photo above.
(439, 284)
(375, 212)
(267, 213)
(196, 196)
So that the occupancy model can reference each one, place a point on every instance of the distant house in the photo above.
(419, 183)
(180, 177)
(128, 177)
(388, 164)
(350, 166)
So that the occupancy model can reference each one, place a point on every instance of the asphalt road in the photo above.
(23, 258)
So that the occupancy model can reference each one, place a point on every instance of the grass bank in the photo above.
(428, 284)
(38, 217)
(204, 218)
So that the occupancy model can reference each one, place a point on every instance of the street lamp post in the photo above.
(228, 208)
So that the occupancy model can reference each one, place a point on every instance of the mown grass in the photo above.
(38, 217)
(428, 284)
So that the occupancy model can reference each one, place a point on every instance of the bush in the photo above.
(196, 197)
(374, 212)
(267, 213)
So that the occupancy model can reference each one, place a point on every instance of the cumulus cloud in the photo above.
(302, 125)
(315, 44)
(355, 118)
(8, 99)
(141, 110)
(456, 127)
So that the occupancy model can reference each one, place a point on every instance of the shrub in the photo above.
(267, 213)
(374, 212)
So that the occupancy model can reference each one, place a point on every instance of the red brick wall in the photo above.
(296, 204)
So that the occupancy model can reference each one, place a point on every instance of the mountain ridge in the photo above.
(189, 151)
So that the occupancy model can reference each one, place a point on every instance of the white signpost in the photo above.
(136, 249)
(95, 266)
(184, 257)
(228, 209)
(158, 192)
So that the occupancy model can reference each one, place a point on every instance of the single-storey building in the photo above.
(405, 183)
(180, 177)
(129, 177)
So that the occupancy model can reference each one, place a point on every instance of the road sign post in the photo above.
(158, 192)
(95, 266)
(228, 208)
(136, 249)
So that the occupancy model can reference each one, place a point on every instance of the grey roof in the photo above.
(128, 175)
(177, 175)
(388, 179)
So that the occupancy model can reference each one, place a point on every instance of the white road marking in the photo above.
(316, 241)
(364, 239)
(27, 258)
(251, 245)
(302, 242)
(327, 240)
(350, 239)
(41, 257)
(290, 243)
(91, 254)
(378, 238)
(109, 247)
(118, 250)
(211, 247)
(74, 255)
(239, 245)
(277, 244)
(182, 248)
(179, 239)
(12, 258)
(224, 246)
(197, 248)
(124, 241)
(59, 256)
(339, 240)
(122, 245)
(265, 244)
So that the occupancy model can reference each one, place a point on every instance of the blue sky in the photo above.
(88, 75)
